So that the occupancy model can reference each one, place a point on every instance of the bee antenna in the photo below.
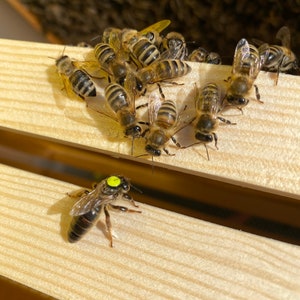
(136, 188)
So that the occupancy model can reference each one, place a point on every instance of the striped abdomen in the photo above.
(116, 96)
(81, 224)
(105, 55)
(171, 68)
(167, 114)
(144, 51)
(209, 98)
(82, 84)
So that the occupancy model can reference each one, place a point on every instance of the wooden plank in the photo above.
(261, 152)
(158, 254)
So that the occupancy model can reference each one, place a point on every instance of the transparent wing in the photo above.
(242, 52)
(130, 87)
(99, 105)
(284, 36)
(90, 200)
(153, 106)
(158, 27)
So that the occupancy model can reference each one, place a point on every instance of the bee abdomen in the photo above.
(82, 84)
(116, 96)
(145, 52)
(105, 54)
(81, 224)
(167, 114)
(172, 68)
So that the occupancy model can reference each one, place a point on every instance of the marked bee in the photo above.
(75, 78)
(110, 63)
(208, 103)
(280, 58)
(143, 51)
(202, 55)
(247, 63)
(165, 122)
(174, 46)
(160, 71)
(87, 209)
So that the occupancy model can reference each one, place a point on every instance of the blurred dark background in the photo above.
(215, 25)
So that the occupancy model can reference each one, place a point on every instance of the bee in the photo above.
(75, 78)
(165, 122)
(87, 209)
(143, 51)
(110, 63)
(152, 33)
(247, 63)
(280, 58)
(121, 106)
(174, 46)
(208, 103)
(159, 71)
(202, 55)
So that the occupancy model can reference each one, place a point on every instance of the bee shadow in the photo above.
(63, 207)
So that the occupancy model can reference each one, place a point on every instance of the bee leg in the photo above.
(216, 140)
(78, 194)
(123, 208)
(207, 154)
(108, 225)
(257, 94)
(167, 152)
(175, 142)
(130, 199)
(160, 91)
(226, 121)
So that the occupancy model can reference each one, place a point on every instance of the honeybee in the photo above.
(160, 71)
(208, 103)
(247, 63)
(120, 106)
(152, 32)
(143, 51)
(110, 63)
(202, 55)
(87, 209)
(165, 122)
(174, 46)
(75, 78)
(280, 58)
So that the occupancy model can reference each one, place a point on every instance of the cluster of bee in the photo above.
(130, 61)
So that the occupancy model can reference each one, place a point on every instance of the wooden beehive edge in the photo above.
(157, 253)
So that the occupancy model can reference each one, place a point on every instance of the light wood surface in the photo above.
(157, 255)
(261, 151)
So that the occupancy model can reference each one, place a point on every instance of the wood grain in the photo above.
(261, 151)
(157, 255)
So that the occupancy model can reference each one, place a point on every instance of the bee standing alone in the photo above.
(75, 78)
(87, 209)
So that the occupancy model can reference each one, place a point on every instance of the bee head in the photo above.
(134, 131)
(116, 182)
(152, 151)
(237, 100)
(204, 137)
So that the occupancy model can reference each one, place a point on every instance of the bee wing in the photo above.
(242, 52)
(91, 68)
(185, 117)
(130, 87)
(284, 36)
(263, 51)
(158, 26)
(100, 106)
(67, 85)
(89, 201)
(153, 106)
